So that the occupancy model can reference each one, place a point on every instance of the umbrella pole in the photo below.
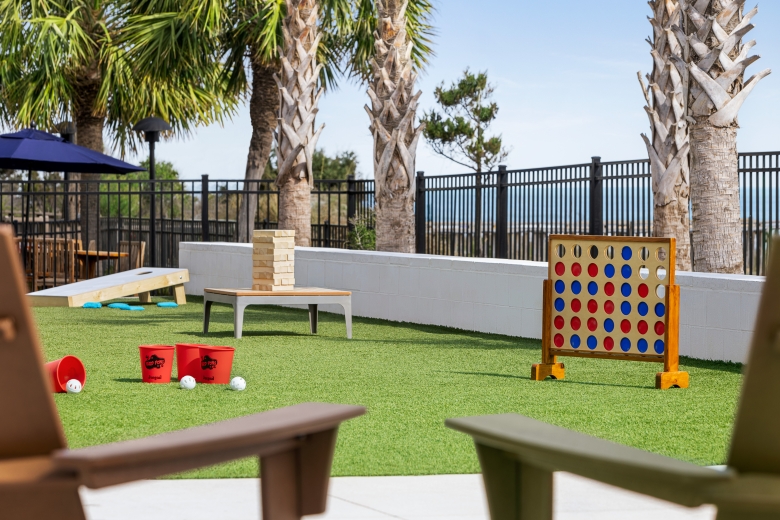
(26, 220)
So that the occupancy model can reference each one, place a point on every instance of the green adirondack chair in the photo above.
(518, 455)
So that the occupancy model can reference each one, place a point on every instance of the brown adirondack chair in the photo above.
(518, 455)
(39, 476)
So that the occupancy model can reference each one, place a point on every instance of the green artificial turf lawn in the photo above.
(410, 377)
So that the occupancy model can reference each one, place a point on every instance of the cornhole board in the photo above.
(611, 298)
(127, 283)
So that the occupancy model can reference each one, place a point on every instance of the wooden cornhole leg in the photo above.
(178, 294)
(145, 297)
(549, 367)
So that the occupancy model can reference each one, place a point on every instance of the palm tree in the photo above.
(391, 43)
(73, 58)
(717, 64)
(669, 145)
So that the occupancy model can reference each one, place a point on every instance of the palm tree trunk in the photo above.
(263, 111)
(295, 137)
(392, 112)
(717, 65)
(669, 145)
(89, 133)
(717, 237)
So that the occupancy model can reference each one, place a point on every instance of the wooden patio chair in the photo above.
(136, 250)
(518, 455)
(39, 476)
(53, 262)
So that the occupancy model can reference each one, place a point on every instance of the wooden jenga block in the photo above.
(273, 233)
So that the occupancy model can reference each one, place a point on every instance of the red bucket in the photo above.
(65, 369)
(188, 360)
(156, 363)
(215, 364)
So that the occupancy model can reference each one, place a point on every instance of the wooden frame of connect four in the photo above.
(611, 298)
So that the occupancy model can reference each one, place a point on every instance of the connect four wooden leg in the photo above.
(665, 380)
(541, 371)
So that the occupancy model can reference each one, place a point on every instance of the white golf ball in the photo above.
(73, 386)
(187, 382)
(237, 384)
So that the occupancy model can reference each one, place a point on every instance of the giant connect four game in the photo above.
(611, 297)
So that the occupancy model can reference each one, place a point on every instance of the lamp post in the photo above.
(67, 131)
(151, 127)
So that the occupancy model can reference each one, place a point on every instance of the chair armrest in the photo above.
(262, 434)
(558, 449)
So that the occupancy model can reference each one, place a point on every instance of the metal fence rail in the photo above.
(499, 214)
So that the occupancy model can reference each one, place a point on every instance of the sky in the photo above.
(565, 82)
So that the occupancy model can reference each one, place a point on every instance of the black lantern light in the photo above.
(151, 127)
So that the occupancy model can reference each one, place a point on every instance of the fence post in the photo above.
(351, 202)
(419, 214)
(596, 198)
(326, 241)
(204, 208)
(502, 213)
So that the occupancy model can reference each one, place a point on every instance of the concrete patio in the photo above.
(457, 497)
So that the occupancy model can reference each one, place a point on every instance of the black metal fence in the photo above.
(511, 213)
(500, 214)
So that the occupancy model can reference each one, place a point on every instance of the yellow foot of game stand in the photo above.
(541, 371)
(665, 380)
(611, 298)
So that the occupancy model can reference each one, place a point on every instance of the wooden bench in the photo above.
(311, 296)
(518, 455)
(40, 477)
(128, 283)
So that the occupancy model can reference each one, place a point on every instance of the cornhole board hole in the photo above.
(128, 283)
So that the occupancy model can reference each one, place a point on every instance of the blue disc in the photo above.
(659, 346)
(626, 253)
(641, 345)
(560, 304)
(642, 308)
(592, 342)
(575, 341)
(576, 287)
(609, 270)
(609, 325)
(626, 271)
(593, 288)
(625, 344)
(560, 286)
(660, 309)
(625, 289)
(625, 308)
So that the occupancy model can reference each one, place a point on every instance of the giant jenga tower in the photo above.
(273, 260)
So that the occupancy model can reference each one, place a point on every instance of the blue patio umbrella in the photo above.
(31, 149)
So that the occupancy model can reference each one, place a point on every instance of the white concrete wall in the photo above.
(496, 296)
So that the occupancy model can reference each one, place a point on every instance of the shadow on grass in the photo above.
(562, 381)
(129, 380)
(722, 366)
(245, 333)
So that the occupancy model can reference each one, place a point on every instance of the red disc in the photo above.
(625, 326)
(576, 269)
(643, 290)
(641, 327)
(575, 323)
(576, 305)
(609, 289)
(592, 324)
(558, 340)
(593, 306)
(609, 343)
(560, 268)
(659, 328)
(593, 270)
(559, 322)
(609, 307)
